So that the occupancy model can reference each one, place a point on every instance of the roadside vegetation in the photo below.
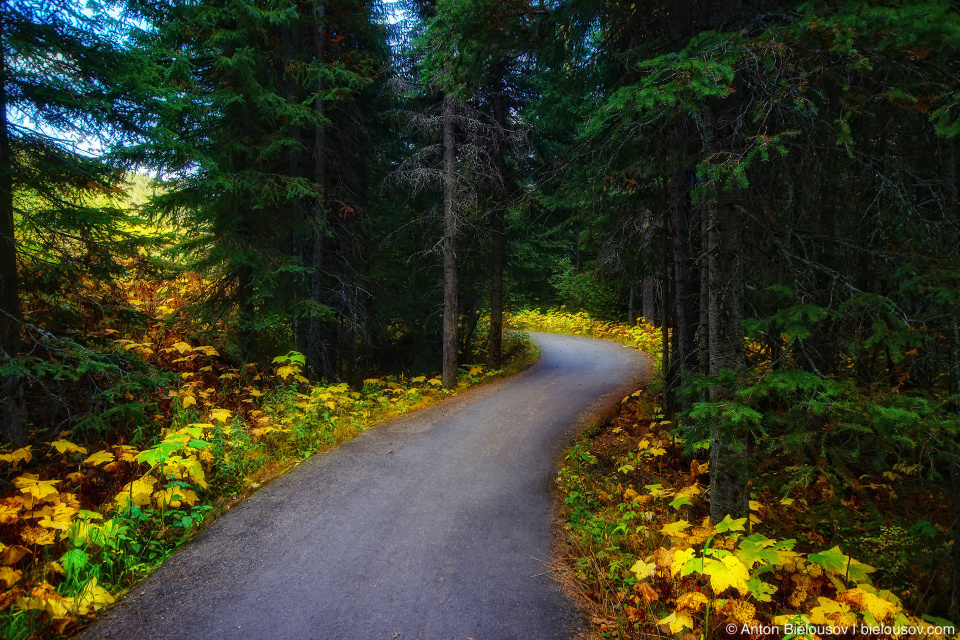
(819, 548)
(174, 436)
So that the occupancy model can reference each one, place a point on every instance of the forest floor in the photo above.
(436, 525)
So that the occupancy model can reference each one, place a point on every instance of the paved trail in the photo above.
(433, 526)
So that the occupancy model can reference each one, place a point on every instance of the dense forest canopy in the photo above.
(372, 187)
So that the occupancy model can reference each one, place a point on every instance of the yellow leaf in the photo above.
(643, 444)
(182, 347)
(9, 513)
(220, 415)
(9, 575)
(13, 554)
(100, 457)
(680, 558)
(675, 529)
(475, 371)
(657, 451)
(419, 379)
(18, 456)
(45, 598)
(287, 371)
(127, 453)
(38, 536)
(91, 598)
(678, 621)
(786, 501)
(187, 401)
(726, 573)
(832, 613)
(254, 392)
(136, 493)
(879, 608)
(60, 518)
(32, 485)
(64, 446)
(692, 600)
(643, 570)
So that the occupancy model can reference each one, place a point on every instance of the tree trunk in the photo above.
(450, 316)
(685, 300)
(316, 357)
(497, 216)
(952, 219)
(665, 321)
(13, 408)
(729, 472)
(648, 295)
(631, 307)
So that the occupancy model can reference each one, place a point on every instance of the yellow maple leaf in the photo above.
(136, 493)
(9, 575)
(91, 598)
(38, 536)
(182, 347)
(9, 513)
(675, 529)
(418, 379)
(643, 570)
(31, 484)
(65, 446)
(879, 608)
(187, 401)
(60, 518)
(127, 453)
(475, 371)
(100, 457)
(726, 573)
(45, 598)
(16, 457)
(220, 415)
(680, 559)
(691, 600)
(678, 621)
(832, 613)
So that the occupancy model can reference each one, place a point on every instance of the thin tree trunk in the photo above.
(450, 316)
(317, 359)
(13, 408)
(703, 326)
(952, 218)
(631, 307)
(666, 372)
(685, 301)
(497, 216)
(729, 471)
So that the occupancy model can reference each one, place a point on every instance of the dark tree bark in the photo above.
(685, 298)
(729, 470)
(648, 303)
(952, 218)
(315, 335)
(13, 408)
(497, 216)
(450, 315)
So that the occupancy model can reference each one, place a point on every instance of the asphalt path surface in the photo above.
(436, 525)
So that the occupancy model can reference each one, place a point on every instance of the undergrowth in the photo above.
(820, 555)
(86, 512)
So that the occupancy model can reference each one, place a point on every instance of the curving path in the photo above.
(435, 525)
